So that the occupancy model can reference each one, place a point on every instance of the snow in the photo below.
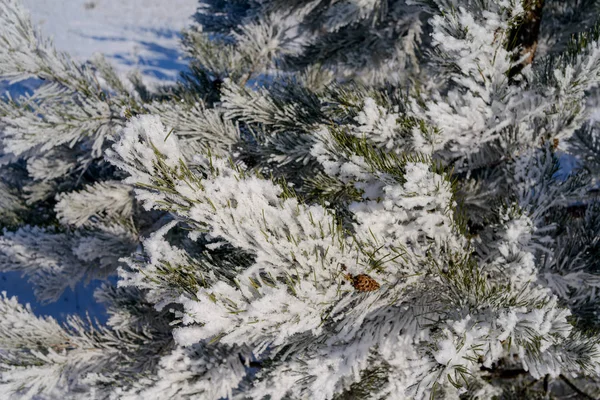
(131, 34)
(378, 124)
(139, 34)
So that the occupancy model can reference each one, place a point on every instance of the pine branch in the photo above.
(295, 234)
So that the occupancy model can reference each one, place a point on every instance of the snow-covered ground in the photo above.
(131, 33)
(140, 34)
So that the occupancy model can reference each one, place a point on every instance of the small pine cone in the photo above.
(364, 283)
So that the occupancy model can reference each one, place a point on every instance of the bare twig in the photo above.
(576, 389)
(525, 36)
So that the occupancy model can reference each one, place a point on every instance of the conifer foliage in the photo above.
(341, 199)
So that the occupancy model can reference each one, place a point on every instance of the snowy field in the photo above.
(132, 34)
(139, 34)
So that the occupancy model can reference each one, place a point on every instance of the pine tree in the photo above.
(365, 199)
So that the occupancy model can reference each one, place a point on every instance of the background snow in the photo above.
(131, 34)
